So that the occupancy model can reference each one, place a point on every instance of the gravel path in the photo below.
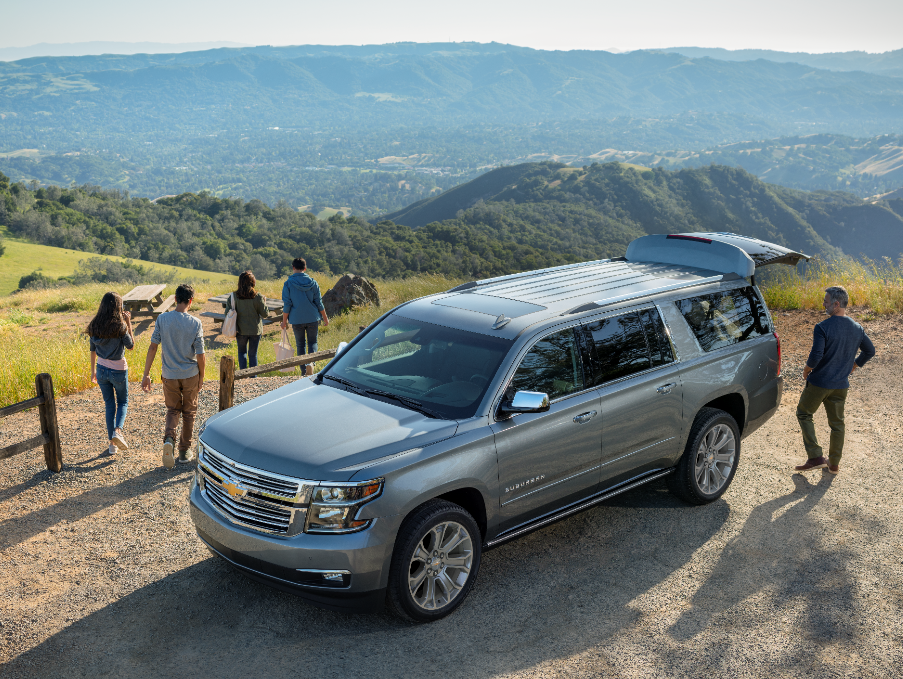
(788, 575)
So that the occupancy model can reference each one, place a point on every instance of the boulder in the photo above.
(350, 291)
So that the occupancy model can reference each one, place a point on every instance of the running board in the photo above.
(516, 532)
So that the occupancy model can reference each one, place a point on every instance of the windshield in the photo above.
(446, 371)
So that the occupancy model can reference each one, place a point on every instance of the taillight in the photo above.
(778, 339)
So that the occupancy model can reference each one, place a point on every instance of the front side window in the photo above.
(724, 318)
(553, 366)
(618, 347)
(441, 369)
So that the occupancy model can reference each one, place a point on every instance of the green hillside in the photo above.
(596, 211)
(21, 258)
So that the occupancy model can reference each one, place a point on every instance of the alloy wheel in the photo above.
(440, 566)
(715, 458)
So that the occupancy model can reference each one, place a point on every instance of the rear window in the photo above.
(725, 318)
(618, 347)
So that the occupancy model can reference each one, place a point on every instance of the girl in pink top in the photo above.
(111, 334)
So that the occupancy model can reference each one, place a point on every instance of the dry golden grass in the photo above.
(64, 352)
(876, 285)
(30, 349)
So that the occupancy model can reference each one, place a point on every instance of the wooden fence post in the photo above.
(53, 450)
(226, 382)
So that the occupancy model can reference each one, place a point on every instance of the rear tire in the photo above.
(709, 462)
(435, 562)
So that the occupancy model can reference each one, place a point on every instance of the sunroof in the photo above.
(488, 304)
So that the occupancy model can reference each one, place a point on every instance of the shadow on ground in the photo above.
(555, 593)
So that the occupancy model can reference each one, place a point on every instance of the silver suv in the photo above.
(464, 419)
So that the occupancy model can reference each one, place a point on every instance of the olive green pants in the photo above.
(833, 400)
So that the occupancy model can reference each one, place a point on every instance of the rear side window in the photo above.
(725, 318)
(659, 344)
(553, 366)
(618, 347)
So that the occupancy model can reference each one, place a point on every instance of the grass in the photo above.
(876, 285)
(22, 258)
(33, 346)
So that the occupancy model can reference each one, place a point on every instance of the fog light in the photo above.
(335, 576)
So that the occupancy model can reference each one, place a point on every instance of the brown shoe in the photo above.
(834, 468)
(813, 463)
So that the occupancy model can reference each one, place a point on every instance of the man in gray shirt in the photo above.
(832, 360)
(183, 371)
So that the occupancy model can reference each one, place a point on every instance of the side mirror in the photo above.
(526, 402)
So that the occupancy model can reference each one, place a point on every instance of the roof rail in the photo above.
(528, 274)
(637, 294)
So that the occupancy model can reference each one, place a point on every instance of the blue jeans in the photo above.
(114, 385)
(247, 350)
(302, 329)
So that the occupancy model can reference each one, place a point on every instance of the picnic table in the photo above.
(274, 307)
(150, 296)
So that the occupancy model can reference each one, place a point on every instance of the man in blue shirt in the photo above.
(302, 306)
(831, 362)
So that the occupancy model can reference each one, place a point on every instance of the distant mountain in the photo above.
(77, 49)
(885, 63)
(596, 211)
(811, 162)
(418, 83)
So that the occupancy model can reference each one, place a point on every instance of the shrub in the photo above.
(37, 281)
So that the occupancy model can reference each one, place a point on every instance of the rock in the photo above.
(350, 291)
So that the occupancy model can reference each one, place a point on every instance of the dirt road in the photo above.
(787, 575)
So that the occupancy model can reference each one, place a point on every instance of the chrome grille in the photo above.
(252, 497)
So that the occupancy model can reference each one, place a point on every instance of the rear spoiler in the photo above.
(727, 253)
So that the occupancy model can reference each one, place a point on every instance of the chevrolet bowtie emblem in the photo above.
(234, 489)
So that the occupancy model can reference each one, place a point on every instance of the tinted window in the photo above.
(618, 347)
(553, 366)
(724, 318)
(659, 345)
(444, 369)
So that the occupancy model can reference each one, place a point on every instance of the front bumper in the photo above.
(287, 563)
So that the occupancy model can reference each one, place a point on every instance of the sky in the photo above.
(788, 25)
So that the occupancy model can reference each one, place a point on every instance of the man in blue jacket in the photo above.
(302, 306)
(831, 362)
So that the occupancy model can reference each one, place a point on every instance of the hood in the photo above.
(301, 281)
(309, 431)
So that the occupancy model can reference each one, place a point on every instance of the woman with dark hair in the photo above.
(111, 334)
(251, 309)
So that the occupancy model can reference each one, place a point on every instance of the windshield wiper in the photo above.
(341, 380)
(409, 403)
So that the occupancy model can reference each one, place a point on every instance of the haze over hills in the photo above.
(294, 86)
(883, 63)
(76, 49)
(376, 127)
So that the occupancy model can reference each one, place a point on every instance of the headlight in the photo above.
(334, 507)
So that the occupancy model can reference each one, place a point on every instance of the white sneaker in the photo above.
(169, 460)
(119, 441)
(112, 449)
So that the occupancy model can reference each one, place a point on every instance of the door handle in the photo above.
(583, 418)
(666, 388)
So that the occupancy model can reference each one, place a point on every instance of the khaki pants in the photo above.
(834, 401)
(181, 398)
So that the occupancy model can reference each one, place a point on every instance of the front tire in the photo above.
(435, 562)
(710, 459)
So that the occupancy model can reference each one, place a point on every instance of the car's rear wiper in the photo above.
(341, 380)
(410, 403)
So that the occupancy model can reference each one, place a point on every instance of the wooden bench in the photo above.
(165, 306)
(143, 296)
